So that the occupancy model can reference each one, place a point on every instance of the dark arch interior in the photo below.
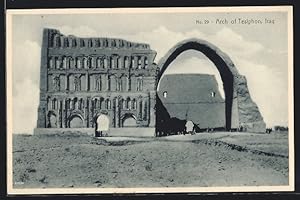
(225, 73)
(51, 120)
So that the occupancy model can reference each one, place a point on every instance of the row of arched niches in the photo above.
(96, 61)
(59, 109)
(58, 40)
(124, 103)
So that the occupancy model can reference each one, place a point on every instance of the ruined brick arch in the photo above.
(129, 120)
(127, 115)
(76, 120)
(76, 112)
(223, 63)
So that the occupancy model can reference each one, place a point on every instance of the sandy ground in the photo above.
(209, 159)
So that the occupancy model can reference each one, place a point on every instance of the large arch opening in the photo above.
(76, 122)
(220, 60)
(129, 120)
(193, 62)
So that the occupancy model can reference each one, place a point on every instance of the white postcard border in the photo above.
(13, 191)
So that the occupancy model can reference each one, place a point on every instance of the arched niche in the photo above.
(129, 120)
(76, 121)
(52, 120)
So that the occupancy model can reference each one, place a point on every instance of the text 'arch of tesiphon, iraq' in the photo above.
(84, 78)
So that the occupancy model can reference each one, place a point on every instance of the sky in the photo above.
(259, 52)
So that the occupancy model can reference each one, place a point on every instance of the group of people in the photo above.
(177, 127)
(101, 133)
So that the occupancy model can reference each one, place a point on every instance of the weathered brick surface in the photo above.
(82, 78)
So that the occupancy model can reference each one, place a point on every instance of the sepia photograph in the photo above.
(150, 100)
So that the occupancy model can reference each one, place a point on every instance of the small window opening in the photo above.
(165, 94)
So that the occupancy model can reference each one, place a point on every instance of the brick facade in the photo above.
(81, 78)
